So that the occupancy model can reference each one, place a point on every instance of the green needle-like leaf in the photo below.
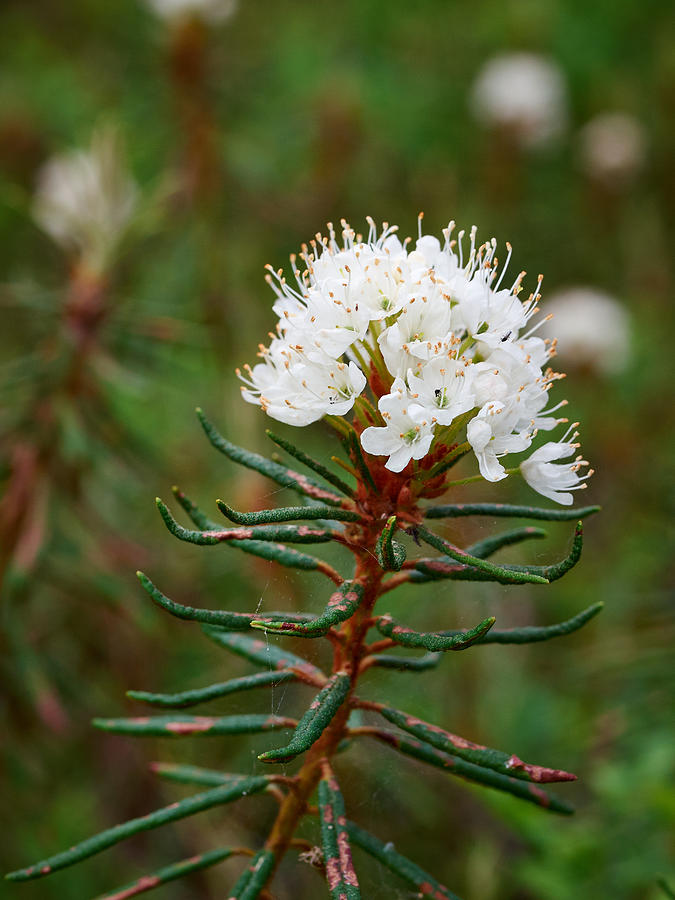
(485, 548)
(253, 879)
(213, 691)
(354, 447)
(194, 774)
(499, 572)
(278, 553)
(508, 510)
(340, 874)
(287, 514)
(284, 556)
(294, 534)
(531, 634)
(262, 652)
(443, 568)
(234, 621)
(453, 765)
(557, 570)
(430, 640)
(168, 873)
(443, 740)
(286, 477)
(407, 664)
(424, 883)
(390, 554)
(180, 810)
(342, 605)
(182, 726)
(314, 722)
(311, 463)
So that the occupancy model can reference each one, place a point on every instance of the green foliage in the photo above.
(323, 730)
(390, 554)
(341, 878)
(183, 808)
(435, 642)
(314, 722)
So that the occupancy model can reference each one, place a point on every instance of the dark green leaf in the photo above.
(422, 881)
(278, 553)
(436, 642)
(286, 477)
(315, 721)
(340, 875)
(531, 634)
(262, 652)
(471, 772)
(390, 554)
(406, 663)
(193, 774)
(499, 572)
(508, 510)
(485, 548)
(171, 813)
(235, 621)
(254, 877)
(311, 463)
(168, 873)
(443, 740)
(354, 447)
(294, 534)
(287, 514)
(213, 691)
(342, 605)
(182, 726)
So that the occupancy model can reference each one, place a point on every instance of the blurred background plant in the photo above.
(150, 164)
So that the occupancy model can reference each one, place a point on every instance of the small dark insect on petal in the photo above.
(506, 336)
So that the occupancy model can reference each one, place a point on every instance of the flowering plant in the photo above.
(435, 360)
(438, 342)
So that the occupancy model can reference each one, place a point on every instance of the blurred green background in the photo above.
(245, 138)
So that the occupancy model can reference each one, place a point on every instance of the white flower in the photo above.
(523, 93)
(443, 389)
(591, 328)
(211, 11)
(420, 330)
(490, 434)
(556, 480)
(613, 148)
(298, 391)
(408, 432)
(84, 200)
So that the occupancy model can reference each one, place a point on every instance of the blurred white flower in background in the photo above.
(212, 11)
(613, 148)
(85, 199)
(592, 329)
(523, 94)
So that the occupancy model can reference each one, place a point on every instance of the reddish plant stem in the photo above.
(347, 656)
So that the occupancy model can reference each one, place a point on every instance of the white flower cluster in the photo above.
(431, 327)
